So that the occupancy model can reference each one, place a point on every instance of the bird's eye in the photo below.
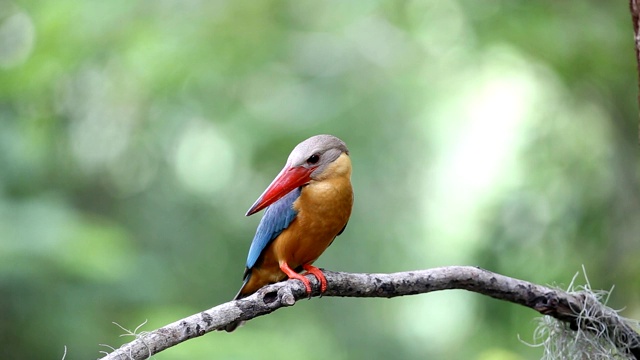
(313, 159)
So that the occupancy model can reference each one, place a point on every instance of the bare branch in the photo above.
(566, 307)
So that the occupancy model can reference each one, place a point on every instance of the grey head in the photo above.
(317, 152)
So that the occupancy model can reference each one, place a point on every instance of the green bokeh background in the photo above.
(135, 134)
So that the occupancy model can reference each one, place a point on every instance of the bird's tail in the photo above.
(234, 325)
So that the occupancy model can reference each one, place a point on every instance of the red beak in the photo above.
(288, 179)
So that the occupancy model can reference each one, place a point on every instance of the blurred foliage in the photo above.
(135, 135)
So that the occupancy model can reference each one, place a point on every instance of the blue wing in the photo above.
(277, 217)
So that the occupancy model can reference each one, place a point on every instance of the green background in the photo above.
(135, 134)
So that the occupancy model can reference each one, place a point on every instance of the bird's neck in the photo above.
(334, 188)
(340, 168)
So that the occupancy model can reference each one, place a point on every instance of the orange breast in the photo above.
(323, 210)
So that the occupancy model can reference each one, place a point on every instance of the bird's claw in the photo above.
(307, 284)
(319, 275)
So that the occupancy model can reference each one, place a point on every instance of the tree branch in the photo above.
(566, 307)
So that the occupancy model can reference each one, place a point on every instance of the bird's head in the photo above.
(308, 161)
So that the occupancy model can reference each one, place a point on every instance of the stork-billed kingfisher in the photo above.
(306, 206)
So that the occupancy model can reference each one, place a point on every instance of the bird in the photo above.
(307, 206)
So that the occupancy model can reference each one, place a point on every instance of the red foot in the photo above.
(294, 275)
(318, 274)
